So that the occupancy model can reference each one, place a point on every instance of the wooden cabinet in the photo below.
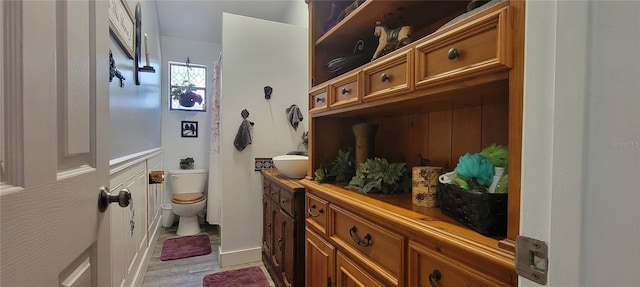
(455, 89)
(320, 261)
(283, 229)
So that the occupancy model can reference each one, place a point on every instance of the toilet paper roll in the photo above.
(156, 176)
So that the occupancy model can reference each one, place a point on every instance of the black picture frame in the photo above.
(189, 129)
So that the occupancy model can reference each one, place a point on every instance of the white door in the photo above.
(55, 150)
(581, 140)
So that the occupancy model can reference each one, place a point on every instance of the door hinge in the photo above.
(532, 259)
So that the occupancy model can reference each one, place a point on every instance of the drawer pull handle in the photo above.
(345, 91)
(355, 239)
(320, 100)
(452, 54)
(284, 201)
(384, 78)
(280, 245)
(434, 275)
(311, 214)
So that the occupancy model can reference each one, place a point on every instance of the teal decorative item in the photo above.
(475, 169)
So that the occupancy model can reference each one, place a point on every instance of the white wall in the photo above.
(256, 53)
(135, 113)
(581, 140)
(175, 146)
(297, 13)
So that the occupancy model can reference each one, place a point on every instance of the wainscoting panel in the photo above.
(134, 228)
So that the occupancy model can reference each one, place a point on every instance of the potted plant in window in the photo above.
(186, 163)
(185, 95)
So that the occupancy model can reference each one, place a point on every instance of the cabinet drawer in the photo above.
(316, 212)
(426, 265)
(479, 47)
(345, 91)
(318, 99)
(286, 202)
(376, 245)
(271, 190)
(389, 77)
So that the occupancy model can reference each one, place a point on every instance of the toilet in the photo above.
(187, 186)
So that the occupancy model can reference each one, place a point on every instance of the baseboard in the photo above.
(237, 257)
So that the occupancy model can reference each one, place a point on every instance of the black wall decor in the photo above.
(189, 129)
(267, 92)
(138, 44)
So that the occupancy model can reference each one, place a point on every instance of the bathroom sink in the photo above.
(292, 166)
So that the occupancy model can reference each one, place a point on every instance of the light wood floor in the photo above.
(188, 272)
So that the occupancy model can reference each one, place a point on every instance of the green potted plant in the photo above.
(186, 163)
(184, 94)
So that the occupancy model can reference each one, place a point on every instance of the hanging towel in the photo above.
(294, 116)
(243, 137)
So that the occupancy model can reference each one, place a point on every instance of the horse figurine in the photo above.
(391, 39)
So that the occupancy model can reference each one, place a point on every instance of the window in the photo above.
(187, 87)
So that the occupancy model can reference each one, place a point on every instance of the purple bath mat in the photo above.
(186, 246)
(245, 277)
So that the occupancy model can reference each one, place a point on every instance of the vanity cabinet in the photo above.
(283, 228)
(455, 89)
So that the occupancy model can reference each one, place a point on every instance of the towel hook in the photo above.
(245, 115)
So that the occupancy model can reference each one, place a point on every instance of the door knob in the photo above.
(123, 198)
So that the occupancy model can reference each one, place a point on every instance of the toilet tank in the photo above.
(188, 180)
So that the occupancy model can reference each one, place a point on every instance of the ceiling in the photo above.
(201, 20)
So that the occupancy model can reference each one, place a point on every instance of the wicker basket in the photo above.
(485, 213)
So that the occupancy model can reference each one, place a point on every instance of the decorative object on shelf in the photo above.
(187, 163)
(338, 13)
(390, 39)
(424, 185)
(378, 175)
(189, 129)
(342, 169)
(294, 116)
(113, 71)
(267, 92)
(350, 8)
(476, 170)
(243, 137)
(484, 212)
(332, 20)
(341, 65)
(122, 25)
(474, 7)
(365, 134)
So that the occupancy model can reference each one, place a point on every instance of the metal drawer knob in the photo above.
(384, 77)
(345, 91)
(453, 53)
(318, 100)
(435, 275)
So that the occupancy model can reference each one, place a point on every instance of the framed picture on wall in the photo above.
(122, 25)
(189, 129)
